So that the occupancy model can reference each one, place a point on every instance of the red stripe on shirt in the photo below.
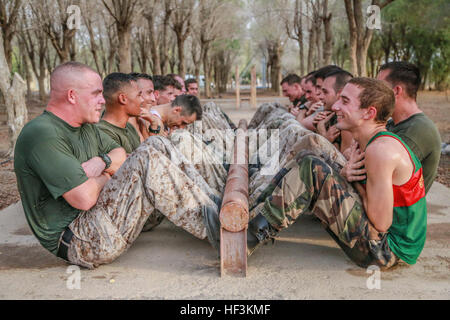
(409, 193)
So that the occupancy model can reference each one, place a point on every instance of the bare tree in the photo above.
(360, 35)
(224, 56)
(35, 42)
(328, 43)
(272, 39)
(9, 12)
(53, 17)
(181, 26)
(294, 29)
(317, 6)
(123, 12)
(151, 14)
(212, 25)
(311, 38)
(102, 37)
(196, 56)
(164, 52)
(171, 54)
(93, 29)
(141, 44)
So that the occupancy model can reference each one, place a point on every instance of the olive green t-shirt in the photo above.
(127, 137)
(422, 137)
(47, 162)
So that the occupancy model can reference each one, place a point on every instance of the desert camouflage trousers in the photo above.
(146, 184)
(201, 164)
(265, 113)
(216, 130)
(199, 150)
(309, 184)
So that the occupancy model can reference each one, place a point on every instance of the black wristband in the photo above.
(156, 131)
(106, 159)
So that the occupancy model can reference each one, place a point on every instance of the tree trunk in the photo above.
(312, 35)
(181, 67)
(41, 83)
(360, 35)
(328, 45)
(29, 78)
(94, 47)
(197, 72)
(124, 36)
(154, 44)
(318, 42)
(206, 70)
(164, 53)
(299, 13)
(14, 97)
(275, 53)
(353, 36)
(8, 49)
(196, 58)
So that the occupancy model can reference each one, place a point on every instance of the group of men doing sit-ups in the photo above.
(90, 186)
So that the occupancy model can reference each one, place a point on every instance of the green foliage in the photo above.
(418, 31)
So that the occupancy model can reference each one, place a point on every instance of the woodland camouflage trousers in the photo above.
(309, 184)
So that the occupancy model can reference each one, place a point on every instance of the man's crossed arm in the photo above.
(85, 195)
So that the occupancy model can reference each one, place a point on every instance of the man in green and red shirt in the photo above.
(378, 223)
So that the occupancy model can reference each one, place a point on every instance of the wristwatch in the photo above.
(154, 131)
(106, 159)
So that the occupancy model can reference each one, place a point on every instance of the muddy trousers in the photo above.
(147, 182)
(311, 185)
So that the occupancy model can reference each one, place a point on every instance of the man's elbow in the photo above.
(82, 202)
(88, 204)
(382, 227)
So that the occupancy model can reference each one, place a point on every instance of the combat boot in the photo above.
(259, 229)
(259, 232)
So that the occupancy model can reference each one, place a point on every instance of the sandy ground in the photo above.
(168, 263)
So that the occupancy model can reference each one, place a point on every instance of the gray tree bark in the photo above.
(13, 91)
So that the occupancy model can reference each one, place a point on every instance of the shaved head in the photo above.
(76, 93)
(69, 75)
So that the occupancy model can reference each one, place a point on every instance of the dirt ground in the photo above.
(435, 105)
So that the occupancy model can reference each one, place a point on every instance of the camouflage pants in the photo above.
(310, 184)
(265, 111)
(295, 140)
(148, 182)
(199, 163)
(200, 150)
(216, 130)
(287, 134)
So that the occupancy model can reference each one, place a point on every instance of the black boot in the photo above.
(259, 231)
(212, 222)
